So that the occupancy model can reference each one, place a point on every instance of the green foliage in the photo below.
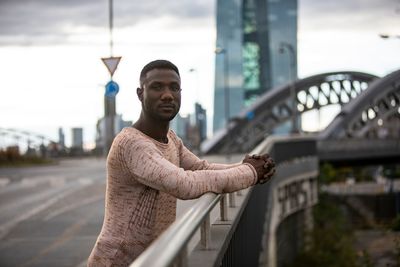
(331, 241)
(391, 171)
(397, 250)
(12, 158)
(327, 174)
(362, 174)
(396, 223)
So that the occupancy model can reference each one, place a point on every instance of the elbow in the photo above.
(187, 196)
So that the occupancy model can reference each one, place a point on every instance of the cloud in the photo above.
(26, 22)
(354, 15)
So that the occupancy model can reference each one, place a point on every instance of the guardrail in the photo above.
(215, 247)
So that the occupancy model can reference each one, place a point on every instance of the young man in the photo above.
(148, 168)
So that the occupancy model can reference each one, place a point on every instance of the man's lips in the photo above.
(167, 106)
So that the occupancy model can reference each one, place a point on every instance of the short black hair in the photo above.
(157, 64)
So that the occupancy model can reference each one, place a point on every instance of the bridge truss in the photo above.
(14, 137)
(375, 114)
(277, 108)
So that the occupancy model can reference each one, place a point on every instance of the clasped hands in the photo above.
(264, 165)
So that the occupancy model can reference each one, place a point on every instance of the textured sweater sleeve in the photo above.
(146, 163)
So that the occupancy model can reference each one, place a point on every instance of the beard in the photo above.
(156, 113)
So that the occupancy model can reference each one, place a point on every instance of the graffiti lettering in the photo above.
(295, 196)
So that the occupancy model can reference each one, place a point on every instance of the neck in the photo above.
(155, 129)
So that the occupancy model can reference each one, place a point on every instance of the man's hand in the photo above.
(264, 165)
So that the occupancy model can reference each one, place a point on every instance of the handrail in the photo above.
(171, 246)
(178, 234)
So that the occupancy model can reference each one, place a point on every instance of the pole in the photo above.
(110, 20)
(109, 101)
(292, 64)
(223, 51)
(227, 101)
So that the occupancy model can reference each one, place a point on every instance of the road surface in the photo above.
(51, 215)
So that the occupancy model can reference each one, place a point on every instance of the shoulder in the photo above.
(130, 138)
(174, 138)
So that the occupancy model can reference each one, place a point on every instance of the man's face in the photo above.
(161, 94)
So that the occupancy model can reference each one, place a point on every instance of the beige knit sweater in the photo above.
(144, 179)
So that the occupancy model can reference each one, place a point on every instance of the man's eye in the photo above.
(156, 87)
(175, 88)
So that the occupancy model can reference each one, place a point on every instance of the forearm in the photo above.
(192, 184)
(151, 168)
(222, 166)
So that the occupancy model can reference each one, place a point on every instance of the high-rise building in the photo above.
(256, 51)
(77, 138)
(192, 128)
(61, 138)
(201, 121)
(101, 131)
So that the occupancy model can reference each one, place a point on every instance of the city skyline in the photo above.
(53, 76)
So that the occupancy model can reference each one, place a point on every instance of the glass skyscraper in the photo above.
(256, 51)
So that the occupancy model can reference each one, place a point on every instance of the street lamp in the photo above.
(292, 58)
(222, 51)
(194, 71)
(387, 36)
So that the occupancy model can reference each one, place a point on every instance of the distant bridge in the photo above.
(12, 136)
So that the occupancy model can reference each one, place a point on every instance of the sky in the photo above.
(52, 75)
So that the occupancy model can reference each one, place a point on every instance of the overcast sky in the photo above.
(52, 75)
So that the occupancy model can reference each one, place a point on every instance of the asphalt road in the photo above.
(51, 215)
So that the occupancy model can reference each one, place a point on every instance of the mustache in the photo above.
(167, 105)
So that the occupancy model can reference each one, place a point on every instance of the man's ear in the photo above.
(139, 92)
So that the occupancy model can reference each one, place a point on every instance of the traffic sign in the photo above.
(250, 115)
(112, 89)
(111, 63)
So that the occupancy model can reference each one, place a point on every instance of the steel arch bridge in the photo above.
(374, 114)
(276, 108)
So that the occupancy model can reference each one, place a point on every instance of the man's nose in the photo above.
(167, 94)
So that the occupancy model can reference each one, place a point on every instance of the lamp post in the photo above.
(388, 36)
(196, 81)
(292, 59)
(222, 51)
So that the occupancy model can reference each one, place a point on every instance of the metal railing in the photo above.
(171, 248)
(162, 253)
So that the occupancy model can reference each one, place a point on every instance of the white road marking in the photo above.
(7, 227)
(71, 207)
(4, 181)
(35, 181)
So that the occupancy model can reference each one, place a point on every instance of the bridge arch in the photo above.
(374, 114)
(276, 107)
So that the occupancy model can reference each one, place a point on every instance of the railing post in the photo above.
(182, 259)
(205, 232)
(232, 200)
(223, 206)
